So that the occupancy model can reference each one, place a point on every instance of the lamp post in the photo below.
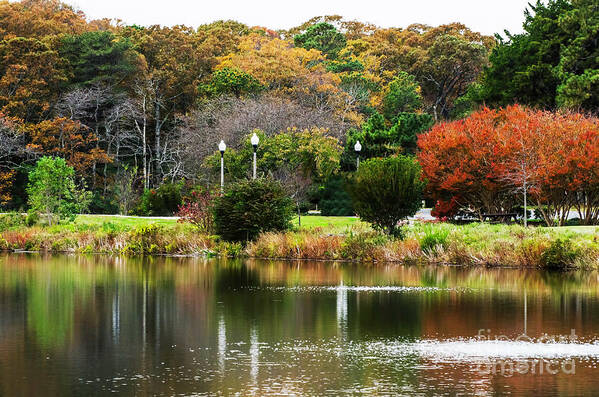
(255, 140)
(358, 149)
(222, 147)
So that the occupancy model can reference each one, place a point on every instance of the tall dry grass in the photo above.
(476, 244)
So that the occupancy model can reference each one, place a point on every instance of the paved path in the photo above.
(423, 215)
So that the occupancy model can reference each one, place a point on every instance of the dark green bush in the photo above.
(164, 201)
(333, 200)
(103, 204)
(386, 190)
(561, 254)
(249, 208)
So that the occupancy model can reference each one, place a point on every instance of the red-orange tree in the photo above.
(485, 162)
(459, 160)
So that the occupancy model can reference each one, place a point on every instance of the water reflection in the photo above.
(75, 324)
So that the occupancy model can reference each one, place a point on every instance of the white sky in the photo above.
(486, 16)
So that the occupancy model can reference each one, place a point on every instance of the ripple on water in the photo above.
(473, 349)
(342, 288)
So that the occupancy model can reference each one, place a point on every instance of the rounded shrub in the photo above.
(386, 190)
(164, 201)
(248, 208)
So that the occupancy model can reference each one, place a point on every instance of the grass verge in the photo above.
(328, 238)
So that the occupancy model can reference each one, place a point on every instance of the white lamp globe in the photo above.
(358, 147)
(222, 146)
(255, 140)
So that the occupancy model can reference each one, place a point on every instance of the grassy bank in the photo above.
(330, 238)
(473, 244)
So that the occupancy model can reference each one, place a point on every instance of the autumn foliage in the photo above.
(197, 210)
(484, 162)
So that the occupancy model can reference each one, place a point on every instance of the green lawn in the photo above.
(333, 222)
(122, 221)
(308, 222)
(577, 229)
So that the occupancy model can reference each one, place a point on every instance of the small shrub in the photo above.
(111, 229)
(333, 200)
(198, 211)
(249, 208)
(230, 249)
(163, 201)
(560, 254)
(18, 239)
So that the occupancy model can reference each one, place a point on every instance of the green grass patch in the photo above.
(122, 222)
(339, 223)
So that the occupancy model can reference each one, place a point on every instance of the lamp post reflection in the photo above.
(254, 355)
(342, 311)
(222, 344)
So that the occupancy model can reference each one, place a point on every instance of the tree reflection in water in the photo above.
(80, 324)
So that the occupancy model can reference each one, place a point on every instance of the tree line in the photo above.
(137, 111)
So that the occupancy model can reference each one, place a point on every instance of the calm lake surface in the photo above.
(95, 325)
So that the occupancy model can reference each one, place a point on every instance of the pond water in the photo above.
(76, 325)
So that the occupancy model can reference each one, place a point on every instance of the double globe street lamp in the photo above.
(222, 147)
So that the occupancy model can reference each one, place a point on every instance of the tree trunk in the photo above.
(525, 210)
(157, 155)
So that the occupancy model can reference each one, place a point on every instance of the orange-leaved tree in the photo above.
(495, 159)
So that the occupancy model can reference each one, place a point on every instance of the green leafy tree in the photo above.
(469, 102)
(164, 201)
(332, 198)
(323, 37)
(232, 81)
(578, 69)
(379, 140)
(248, 208)
(554, 63)
(523, 66)
(52, 191)
(98, 56)
(385, 191)
(310, 152)
(345, 65)
(407, 127)
(402, 95)
(374, 136)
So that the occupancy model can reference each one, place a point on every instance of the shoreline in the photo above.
(289, 259)
(474, 245)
